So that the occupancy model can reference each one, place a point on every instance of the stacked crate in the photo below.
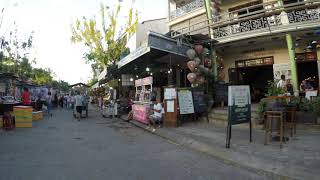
(23, 116)
(37, 116)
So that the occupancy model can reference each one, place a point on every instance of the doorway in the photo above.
(308, 71)
(257, 77)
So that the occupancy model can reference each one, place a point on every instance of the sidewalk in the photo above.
(298, 159)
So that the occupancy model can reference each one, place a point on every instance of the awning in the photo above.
(157, 46)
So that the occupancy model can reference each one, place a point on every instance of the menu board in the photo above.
(185, 101)
(200, 105)
(147, 81)
(239, 102)
(138, 82)
(170, 93)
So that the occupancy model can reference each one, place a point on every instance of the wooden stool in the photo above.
(271, 116)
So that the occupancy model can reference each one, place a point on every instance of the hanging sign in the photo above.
(239, 103)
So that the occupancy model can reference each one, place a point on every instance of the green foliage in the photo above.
(106, 41)
(273, 90)
(311, 106)
(261, 108)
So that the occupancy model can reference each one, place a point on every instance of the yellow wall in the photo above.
(230, 55)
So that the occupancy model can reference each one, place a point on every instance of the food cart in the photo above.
(141, 107)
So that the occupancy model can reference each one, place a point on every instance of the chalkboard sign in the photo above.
(221, 91)
(185, 101)
(199, 103)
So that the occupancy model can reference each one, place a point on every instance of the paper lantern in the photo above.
(205, 52)
(197, 61)
(191, 53)
(198, 49)
(191, 77)
(207, 62)
(191, 65)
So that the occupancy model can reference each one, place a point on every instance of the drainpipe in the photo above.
(292, 57)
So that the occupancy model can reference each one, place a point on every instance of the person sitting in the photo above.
(39, 104)
(156, 117)
(305, 86)
(289, 87)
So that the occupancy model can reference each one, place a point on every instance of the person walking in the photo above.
(49, 103)
(78, 103)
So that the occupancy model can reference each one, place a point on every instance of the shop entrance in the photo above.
(308, 71)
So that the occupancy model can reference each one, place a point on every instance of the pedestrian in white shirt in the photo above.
(156, 117)
(282, 82)
(78, 103)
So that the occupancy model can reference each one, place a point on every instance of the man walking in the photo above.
(78, 103)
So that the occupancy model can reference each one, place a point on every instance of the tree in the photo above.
(106, 43)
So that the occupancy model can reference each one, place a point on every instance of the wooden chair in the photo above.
(272, 117)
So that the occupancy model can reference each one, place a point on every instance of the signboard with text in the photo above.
(185, 101)
(239, 103)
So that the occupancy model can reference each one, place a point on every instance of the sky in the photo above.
(51, 22)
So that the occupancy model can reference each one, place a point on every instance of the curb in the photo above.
(211, 151)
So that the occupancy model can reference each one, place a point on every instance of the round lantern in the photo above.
(198, 49)
(197, 61)
(191, 53)
(191, 65)
(205, 52)
(191, 77)
(207, 62)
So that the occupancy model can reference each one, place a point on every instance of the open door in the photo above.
(235, 76)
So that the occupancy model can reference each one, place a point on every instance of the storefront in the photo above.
(256, 61)
(159, 63)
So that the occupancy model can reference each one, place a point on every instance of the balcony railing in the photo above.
(186, 9)
(272, 18)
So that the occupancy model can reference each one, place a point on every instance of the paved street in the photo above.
(61, 148)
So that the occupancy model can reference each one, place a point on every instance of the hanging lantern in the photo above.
(197, 61)
(191, 65)
(198, 49)
(191, 53)
(191, 77)
(207, 62)
(205, 52)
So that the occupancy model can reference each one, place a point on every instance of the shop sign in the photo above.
(138, 82)
(239, 104)
(281, 69)
(147, 81)
(167, 44)
(308, 56)
(143, 49)
(255, 62)
(185, 101)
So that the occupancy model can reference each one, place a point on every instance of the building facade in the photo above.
(257, 40)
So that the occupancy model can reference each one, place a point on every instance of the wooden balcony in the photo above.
(272, 18)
